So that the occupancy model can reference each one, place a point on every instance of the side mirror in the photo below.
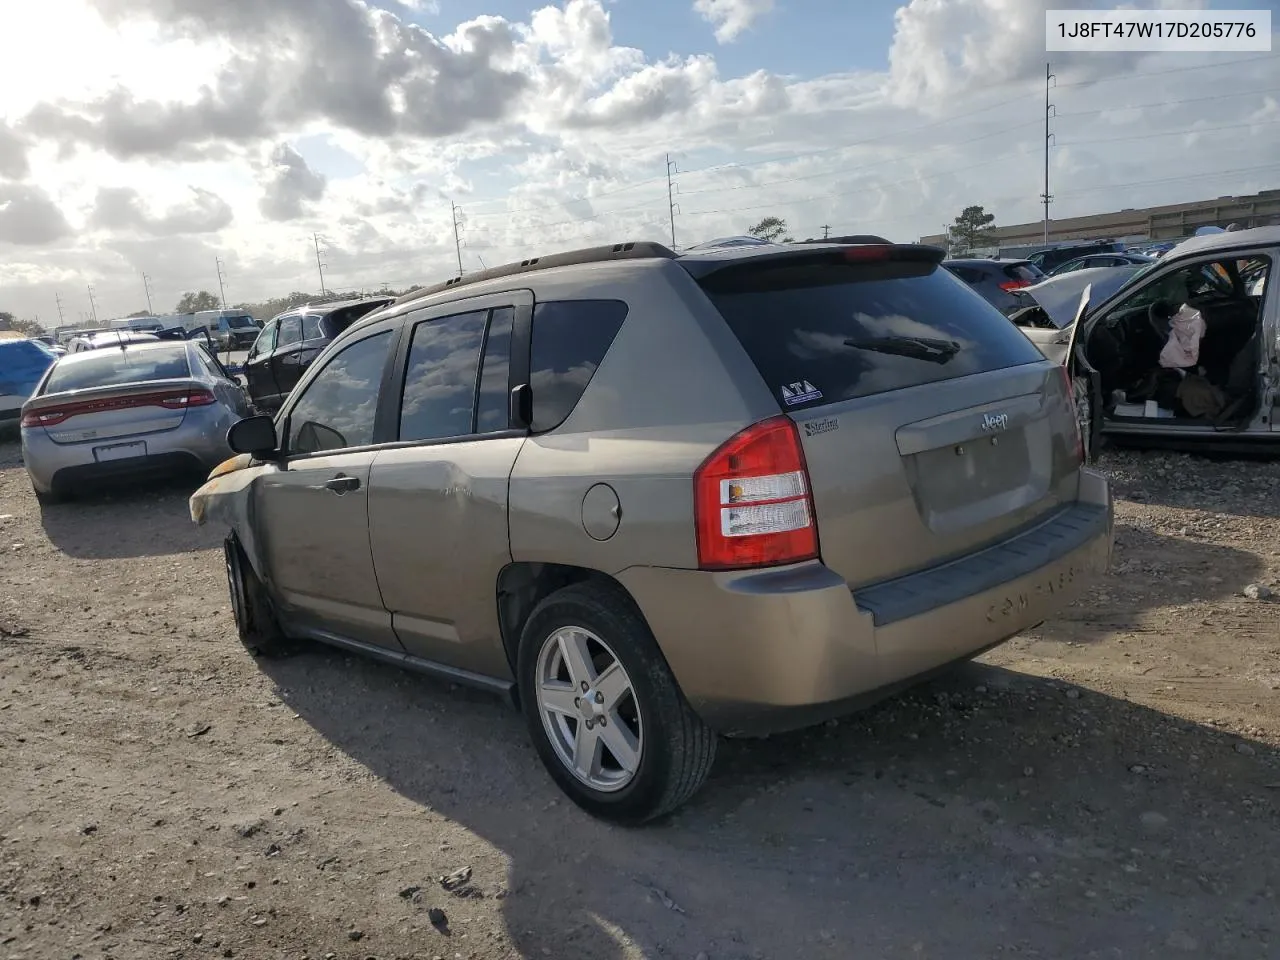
(255, 436)
(521, 408)
(237, 379)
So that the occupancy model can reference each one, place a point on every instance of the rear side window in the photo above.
(967, 274)
(440, 378)
(824, 333)
(311, 327)
(1023, 271)
(111, 367)
(568, 342)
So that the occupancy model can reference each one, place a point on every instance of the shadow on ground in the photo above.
(987, 813)
(1151, 570)
(150, 520)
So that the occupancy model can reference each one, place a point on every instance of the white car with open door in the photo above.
(1185, 353)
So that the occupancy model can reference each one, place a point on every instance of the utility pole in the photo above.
(93, 307)
(316, 238)
(826, 232)
(222, 292)
(457, 237)
(146, 285)
(671, 203)
(1049, 111)
(61, 319)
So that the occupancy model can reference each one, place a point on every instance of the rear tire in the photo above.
(592, 680)
(251, 608)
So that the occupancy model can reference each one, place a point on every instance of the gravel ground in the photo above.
(1104, 787)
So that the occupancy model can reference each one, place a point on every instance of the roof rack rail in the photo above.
(632, 250)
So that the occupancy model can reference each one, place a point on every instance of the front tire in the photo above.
(604, 711)
(255, 619)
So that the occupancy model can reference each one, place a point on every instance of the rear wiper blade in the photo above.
(917, 348)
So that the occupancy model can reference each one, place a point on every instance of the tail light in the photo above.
(168, 399)
(1009, 285)
(1068, 389)
(752, 503)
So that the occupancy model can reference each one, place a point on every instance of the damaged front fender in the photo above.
(226, 500)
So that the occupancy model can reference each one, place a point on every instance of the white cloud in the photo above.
(732, 18)
(550, 134)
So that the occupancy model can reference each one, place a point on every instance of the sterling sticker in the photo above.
(801, 392)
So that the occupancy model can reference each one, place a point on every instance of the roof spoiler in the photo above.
(800, 255)
(632, 250)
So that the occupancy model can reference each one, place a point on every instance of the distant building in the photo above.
(1170, 222)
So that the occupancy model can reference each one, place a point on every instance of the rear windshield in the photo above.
(821, 334)
(108, 367)
(1024, 271)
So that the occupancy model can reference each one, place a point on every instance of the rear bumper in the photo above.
(769, 651)
(71, 467)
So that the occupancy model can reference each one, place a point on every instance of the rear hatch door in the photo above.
(931, 426)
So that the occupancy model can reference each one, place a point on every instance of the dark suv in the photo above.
(995, 280)
(287, 345)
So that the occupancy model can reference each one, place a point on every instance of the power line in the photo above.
(1021, 98)
(1047, 197)
(457, 237)
(671, 203)
(222, 293)
(320, 265)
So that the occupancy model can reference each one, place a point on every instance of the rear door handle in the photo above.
(342, 484)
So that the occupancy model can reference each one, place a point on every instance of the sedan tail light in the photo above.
(168, 399)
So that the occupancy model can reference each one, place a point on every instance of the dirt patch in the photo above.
(1104, 787)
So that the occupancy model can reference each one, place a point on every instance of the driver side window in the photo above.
(265, 342)
(338, 408)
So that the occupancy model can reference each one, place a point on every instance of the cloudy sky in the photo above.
(158, 136)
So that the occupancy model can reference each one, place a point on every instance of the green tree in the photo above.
(138, 313)
(6, 320)
(973, 229)
(192, 302)
(773, 229)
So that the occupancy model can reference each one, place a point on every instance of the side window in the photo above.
(568, 341)
(339, 406)
(208, 364)
(493, 399)
(440, 377)
(290, 331)
(311, 327)
(266, 341)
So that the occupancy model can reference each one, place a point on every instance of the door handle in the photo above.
(342, 484)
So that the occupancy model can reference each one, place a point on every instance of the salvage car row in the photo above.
(609, 483)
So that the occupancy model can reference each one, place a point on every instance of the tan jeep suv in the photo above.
(658, 497)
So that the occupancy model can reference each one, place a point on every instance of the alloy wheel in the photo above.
(589, 709)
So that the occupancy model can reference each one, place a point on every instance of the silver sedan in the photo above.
(135, 411)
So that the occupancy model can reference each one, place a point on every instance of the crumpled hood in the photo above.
(1059, 296)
